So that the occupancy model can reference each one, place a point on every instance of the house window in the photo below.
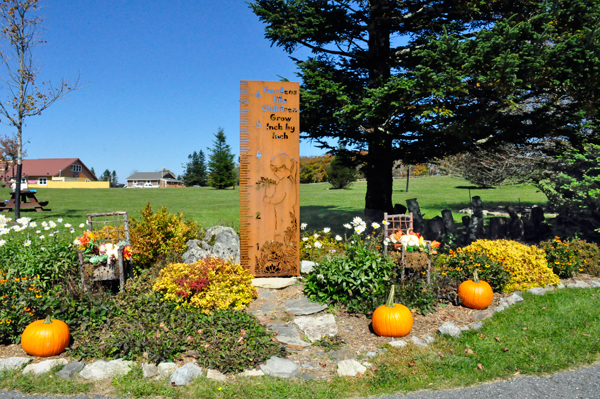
(42, 181)
(87, 180)
(76, 168)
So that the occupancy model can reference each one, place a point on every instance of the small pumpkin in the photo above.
(45, 337)
(392, 319)
(475, 294)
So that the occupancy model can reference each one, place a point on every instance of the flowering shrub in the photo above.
(159, 236)
(318, 245)
(95, 251)
(561, 258)
(527, 266)
(209, 284)
(411, 242)
(460, 265)
(20, 300)
(358, 280)
(588, 254)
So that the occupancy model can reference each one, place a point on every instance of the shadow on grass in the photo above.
(318, 217)
(475, 188)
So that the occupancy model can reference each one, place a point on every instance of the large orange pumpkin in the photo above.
(475, 294)
(45, 337)
(392, 319)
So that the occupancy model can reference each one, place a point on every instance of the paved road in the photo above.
(579, 384)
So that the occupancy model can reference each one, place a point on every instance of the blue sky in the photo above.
(162, 77)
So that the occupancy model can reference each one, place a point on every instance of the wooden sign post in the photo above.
(270, 177)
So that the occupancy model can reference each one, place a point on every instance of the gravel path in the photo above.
(583, 383)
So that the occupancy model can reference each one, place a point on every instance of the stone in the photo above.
(371, 355)
(266, 294)
(398, 343)
(315, 327)
(449, 328)
(185, 374)
(265, 308)
(476, 325)
(429, 339)
(166, 369)
(537, 291)
(578, 284)
(499, 309)
(350, 368)
(288, 335)
(306, 266)
(101, 369)
(484, 314)
(13, 363)
(44, 367)
(215, 375)
(219, 241)
(367, 364)
(251, 373)
(549, 287)
(276, 283)
(70, 370)
(513, 299)
(149, 370)
(465, 328)
(308, 376)
(309, 366)
(342, 354)
(560, 286)
(595, 284)
(279, 367)
(417, 341)
(502, 302)
(302, 306)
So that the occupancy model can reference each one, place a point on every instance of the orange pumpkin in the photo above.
(475, 294)
(392, 319)
(45, 337)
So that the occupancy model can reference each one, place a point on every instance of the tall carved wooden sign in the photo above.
(270, 177)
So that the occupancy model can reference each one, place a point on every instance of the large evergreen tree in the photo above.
(414, 80)
(195, 172)
(221, 163)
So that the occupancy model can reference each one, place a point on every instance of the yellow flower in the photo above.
(38, 296)
(220, 388)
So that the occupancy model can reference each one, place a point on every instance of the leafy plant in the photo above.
(460, 265)
(588, 255)
(330, 343)
(318, 245)
(158, 236)
(561, 258)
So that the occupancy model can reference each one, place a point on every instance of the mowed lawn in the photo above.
(320, 206)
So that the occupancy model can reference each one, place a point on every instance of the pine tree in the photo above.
(221, 163)
(195, 173)
(113, 179)
(340, 174)
(106, 176)
(93, 172)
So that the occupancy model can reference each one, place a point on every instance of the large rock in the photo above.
(44, 366)
(595, 284)
(578, 284)
(101, 369)
(13, 363)
(350, 368)
(302, 306)
(276, 283)
(279, 367)
(306, 266)
(342, 354)
(513, 299)
(537, 291)
(166, 369)
(316, 327)
(70, 370)
(449, 328)
(419, 342)
(185, 374)
(215, 375)
(398, 343)
(251, 373)
(219, 241)
(149, 370)
(288, 335)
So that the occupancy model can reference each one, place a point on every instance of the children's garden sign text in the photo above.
(269, 177)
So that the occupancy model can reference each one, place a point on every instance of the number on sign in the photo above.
(258, 94)
(258, 124)
(258, 154)
(258, 215)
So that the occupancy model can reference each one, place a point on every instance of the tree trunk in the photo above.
(380, 181)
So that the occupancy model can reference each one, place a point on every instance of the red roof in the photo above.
(46, 166)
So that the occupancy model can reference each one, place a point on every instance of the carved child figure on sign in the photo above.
(282, 194)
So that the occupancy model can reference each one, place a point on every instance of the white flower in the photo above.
(2, 242)
(338, 238)
(71, 230)
(326, 230)
(59, 220)
(4, 230)
(76, 242)
(356, 221)
(320, 277)
(385, 222)
(315, 236)
(304, 238)
(38, 231)
(27, 243)
(308, 246)
(24, 221)
(81, 225)
(52, 224)
(50, 235)
(375, 225)
(318, 244)
(347, 225)
(303, 226)
(44, 223)
(43, 248)
(359, 229)
(33, 224)
(42, 237)
(46, 228)
(67, 225)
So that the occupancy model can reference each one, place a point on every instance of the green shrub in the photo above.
(417, 295)
(19, 299)
(318, 245)
(159, 236)
(359, 280)
(152, 329)
(561, 258)
(527, 265)
(588, 255)
(209, 284)
(460, 265)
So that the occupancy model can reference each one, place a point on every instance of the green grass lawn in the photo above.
(320, 206)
